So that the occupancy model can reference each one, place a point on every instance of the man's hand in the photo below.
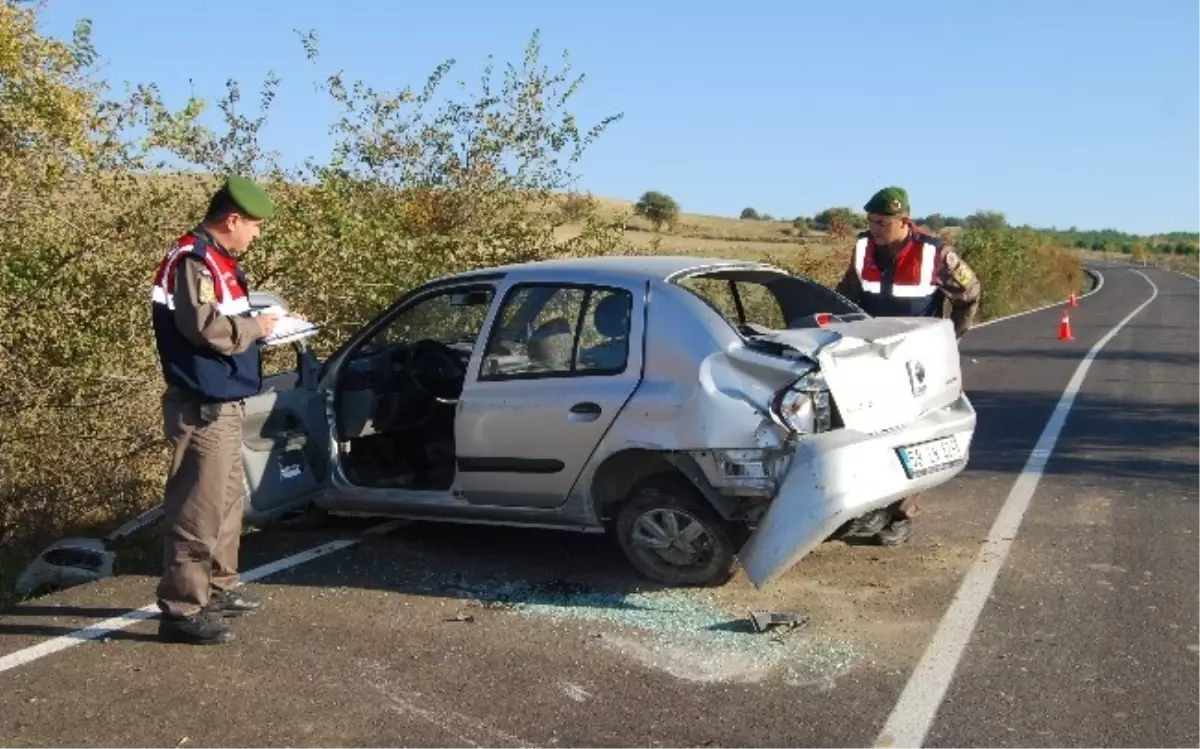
(266, 324)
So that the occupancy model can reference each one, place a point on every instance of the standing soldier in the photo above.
(208, 346)
(898, 271)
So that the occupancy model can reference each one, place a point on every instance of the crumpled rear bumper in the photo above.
(838, 476)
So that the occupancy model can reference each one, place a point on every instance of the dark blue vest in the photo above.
(200, 370)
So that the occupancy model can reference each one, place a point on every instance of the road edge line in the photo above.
(918, 704)
(1188, 276)
(95, 631)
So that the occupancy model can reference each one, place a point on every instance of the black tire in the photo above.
(895, 533)
(864, 526)
(711, 563)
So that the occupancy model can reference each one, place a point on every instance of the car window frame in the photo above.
(588, 288)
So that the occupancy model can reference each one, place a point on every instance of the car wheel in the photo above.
(672, 536)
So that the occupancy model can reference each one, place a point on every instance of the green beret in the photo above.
(890, 201)
(249, 197)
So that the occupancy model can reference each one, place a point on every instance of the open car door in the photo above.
(285, 436)
(285, 457)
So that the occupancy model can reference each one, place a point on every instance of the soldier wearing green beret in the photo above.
(208, 345)
(898, 271)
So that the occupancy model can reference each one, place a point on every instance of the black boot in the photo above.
(198, 629)
(232, 603)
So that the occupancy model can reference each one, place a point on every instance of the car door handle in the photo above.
(587, 408)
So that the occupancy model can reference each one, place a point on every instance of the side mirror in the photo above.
(470, 298)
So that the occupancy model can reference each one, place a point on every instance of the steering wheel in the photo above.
(435, 370)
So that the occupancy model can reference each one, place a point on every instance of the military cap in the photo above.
(890, 201)
(249, 197)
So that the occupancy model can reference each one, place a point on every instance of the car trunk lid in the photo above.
(883, 372)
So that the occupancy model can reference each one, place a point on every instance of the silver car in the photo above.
(704, 411)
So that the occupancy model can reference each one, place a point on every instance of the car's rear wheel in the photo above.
(672, 536)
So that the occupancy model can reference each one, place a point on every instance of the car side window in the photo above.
(454, 317)
(549, 330)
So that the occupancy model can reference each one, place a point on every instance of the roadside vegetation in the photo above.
(95, 183)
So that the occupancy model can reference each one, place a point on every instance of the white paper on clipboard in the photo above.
(288, 328)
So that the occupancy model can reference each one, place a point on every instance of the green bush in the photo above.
(1019, 269)
(840, 217)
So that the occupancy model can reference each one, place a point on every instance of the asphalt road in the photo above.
(458, 636)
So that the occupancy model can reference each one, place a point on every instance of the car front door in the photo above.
(560, 362)
(284, 434)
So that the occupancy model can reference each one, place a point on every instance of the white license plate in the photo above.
(929, 457)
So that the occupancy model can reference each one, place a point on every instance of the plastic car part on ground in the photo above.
(75, 561)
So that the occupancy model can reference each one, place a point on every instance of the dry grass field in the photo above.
(715, 236)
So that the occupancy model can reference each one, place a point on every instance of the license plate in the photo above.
(930, 457)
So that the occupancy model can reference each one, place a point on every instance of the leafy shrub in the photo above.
(749, 214)
(852, 220)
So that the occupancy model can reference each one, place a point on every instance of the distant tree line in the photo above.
(662, 209)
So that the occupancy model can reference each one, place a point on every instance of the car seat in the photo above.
(611, 318)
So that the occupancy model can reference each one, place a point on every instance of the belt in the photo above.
(184, 393)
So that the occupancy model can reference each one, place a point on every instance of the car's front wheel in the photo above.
(672, 536)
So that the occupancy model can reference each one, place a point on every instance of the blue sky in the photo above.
(1056, 112)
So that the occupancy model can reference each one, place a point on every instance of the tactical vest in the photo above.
(206, 373)
(907, 287)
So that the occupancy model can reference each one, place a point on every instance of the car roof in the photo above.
(629, 267)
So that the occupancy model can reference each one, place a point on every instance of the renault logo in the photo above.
(916, 377)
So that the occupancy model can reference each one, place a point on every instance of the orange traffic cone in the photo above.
(1073, 301)
(1064, 328)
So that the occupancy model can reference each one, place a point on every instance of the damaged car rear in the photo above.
(704, 412)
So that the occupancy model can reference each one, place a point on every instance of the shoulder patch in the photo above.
(206, 293)
(963, 275)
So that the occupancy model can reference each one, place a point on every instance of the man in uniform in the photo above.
(208, 347)
(898, 271)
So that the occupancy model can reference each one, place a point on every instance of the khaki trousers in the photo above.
(203, 502)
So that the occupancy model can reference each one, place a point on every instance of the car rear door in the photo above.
(560, 363)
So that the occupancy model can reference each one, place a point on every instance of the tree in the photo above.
(749, 214)
(658, 208)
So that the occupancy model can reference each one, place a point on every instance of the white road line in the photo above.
(914, 712)
(1181, 273)
(128, 619)
(1099, 286)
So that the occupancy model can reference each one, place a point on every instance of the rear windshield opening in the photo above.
(759, 301)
